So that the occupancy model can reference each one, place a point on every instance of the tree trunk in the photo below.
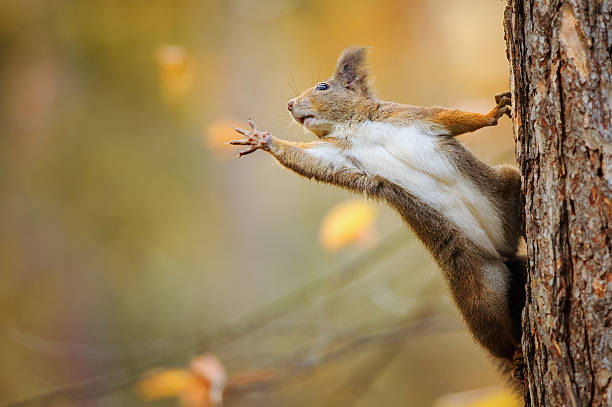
(560, 63)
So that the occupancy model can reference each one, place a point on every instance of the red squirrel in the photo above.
(465, 212)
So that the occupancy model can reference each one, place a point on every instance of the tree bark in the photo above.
(560, 70)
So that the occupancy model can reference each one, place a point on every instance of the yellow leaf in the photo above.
(198, 397)
(346, 223)
(167, 383)
(485, 397)
(503, 398)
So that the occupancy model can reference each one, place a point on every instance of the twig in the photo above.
(340, 348)
(125, 377)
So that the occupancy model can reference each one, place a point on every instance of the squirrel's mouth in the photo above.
(302, 119)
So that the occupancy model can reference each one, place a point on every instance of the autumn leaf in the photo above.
(200, 386)
(218, 134)
(503, 398)
(346, 223)
(167, 383)
(486, 397)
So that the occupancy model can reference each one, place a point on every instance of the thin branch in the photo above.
(341, 348)
(127, 376)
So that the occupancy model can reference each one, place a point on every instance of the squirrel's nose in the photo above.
(290, 105)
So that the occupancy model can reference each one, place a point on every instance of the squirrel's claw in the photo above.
(504, 105)
(249, 151)
(249, 141)
(243, 131)
(506, 110)
(501, 95)
(256, 139)
(240, 142)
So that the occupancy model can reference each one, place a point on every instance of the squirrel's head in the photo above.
(341, 100)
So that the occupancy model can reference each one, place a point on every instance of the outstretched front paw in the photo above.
(256, 139)
(504, 105)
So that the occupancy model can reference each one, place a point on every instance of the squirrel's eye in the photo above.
(322, 86)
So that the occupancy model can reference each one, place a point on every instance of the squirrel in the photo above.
(465, 212)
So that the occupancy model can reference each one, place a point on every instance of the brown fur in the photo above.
(349, 100)
(494, 320)
(487, 316)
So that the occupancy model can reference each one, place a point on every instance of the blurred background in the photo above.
(133, 239)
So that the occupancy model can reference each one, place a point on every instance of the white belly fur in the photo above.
(410, 158)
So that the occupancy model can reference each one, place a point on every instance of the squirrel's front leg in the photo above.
(457, 122)
(320, 160)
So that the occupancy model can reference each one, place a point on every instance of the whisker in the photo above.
(291, 123)
(292, 80)
(291, 87)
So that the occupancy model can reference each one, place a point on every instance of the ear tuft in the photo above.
(352, 71)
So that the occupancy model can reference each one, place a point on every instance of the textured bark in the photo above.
(560, 62)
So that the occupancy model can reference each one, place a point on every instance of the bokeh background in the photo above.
(130, 232)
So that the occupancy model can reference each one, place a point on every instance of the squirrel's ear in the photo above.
(352, 71)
